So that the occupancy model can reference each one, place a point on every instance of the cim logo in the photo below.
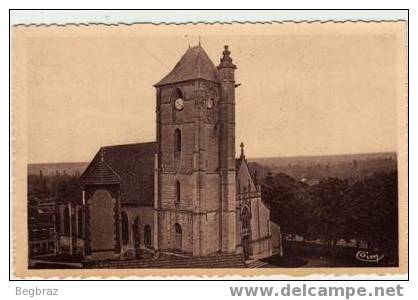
(365, 256)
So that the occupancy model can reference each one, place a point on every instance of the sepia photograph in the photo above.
(210, 148)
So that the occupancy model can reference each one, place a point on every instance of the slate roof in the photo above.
(100, 173)
(131, 166)
(237, 164)
(194, 64)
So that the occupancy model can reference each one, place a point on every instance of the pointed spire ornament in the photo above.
(226, 60)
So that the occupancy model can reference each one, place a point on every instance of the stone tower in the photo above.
(226, 71)
(195, 163)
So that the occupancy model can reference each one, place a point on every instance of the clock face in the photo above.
(210, 103)
(179, 104)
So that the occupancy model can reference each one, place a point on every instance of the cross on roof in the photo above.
(242, 148)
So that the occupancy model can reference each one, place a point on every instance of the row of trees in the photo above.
(60, 186)
(365, 210)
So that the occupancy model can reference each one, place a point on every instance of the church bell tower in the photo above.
(195, 202)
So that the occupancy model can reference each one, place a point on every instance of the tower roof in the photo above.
(194, 64)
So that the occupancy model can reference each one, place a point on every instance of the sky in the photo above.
(306, 89)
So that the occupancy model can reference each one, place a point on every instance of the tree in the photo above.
(282, 193)
(375, 211)
(329, 203)
(365, 210)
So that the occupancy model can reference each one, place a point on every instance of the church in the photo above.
(185, 194)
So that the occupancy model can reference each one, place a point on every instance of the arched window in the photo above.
(177, 140)
(176, 94)
(245, 214)
(147, 236)
(67, 222)
(178, 237)
(80, 222)
(178, 191)
(125, 228)
(179, 93)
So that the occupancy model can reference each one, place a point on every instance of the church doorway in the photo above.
(178, 237)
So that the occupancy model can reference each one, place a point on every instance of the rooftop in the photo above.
(194, 64)
(131, 166)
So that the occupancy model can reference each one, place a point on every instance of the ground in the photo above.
(296, 255)
(307, 255)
